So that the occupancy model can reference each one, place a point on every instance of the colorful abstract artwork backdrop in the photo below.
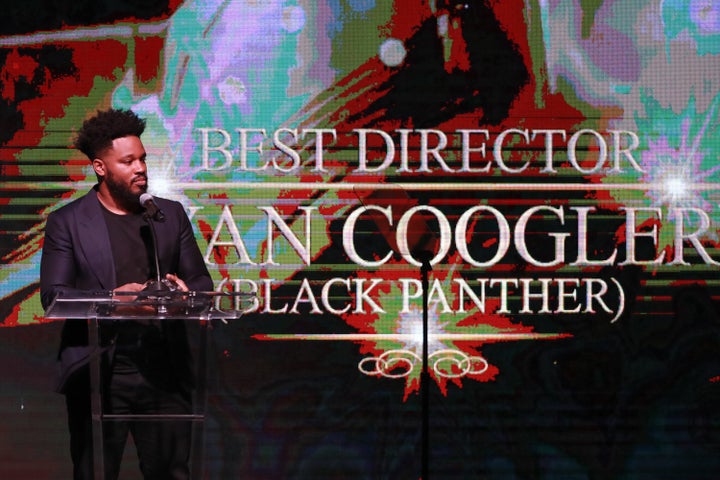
(553, 164)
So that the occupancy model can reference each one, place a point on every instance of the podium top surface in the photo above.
(192, 305)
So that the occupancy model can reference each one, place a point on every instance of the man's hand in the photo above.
(177, 281)
(124, 294)
(121, 291)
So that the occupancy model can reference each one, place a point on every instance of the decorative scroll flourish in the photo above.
(447, 363)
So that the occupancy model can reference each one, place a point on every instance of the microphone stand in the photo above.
(157, 285)
(422, 251)
(425, 257)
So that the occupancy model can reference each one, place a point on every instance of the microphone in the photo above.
(151, 210)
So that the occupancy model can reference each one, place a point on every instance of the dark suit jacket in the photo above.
(77, 258)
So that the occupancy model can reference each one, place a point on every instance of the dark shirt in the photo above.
(140, 345)
(132, 247)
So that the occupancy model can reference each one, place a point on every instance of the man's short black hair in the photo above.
(97, 133)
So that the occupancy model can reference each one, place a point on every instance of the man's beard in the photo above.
(122, 193)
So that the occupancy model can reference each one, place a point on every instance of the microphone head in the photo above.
(145, 198)
(151, 209)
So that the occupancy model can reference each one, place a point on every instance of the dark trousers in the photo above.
(163, 446)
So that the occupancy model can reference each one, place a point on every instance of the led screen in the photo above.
(549, 165)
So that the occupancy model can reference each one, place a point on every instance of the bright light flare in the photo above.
(411, 323)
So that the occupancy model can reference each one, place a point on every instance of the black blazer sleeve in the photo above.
(189, 263)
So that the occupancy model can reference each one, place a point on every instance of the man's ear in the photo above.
(99, 167)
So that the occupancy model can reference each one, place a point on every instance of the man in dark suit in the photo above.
(102, 242)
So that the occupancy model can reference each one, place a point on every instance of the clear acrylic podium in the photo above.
(200, 307)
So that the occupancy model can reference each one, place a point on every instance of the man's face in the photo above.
(124, 170)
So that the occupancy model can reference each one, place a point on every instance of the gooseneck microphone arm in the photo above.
(158, 275)
(152, 213)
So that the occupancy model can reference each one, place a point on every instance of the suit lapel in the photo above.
(95, 241)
